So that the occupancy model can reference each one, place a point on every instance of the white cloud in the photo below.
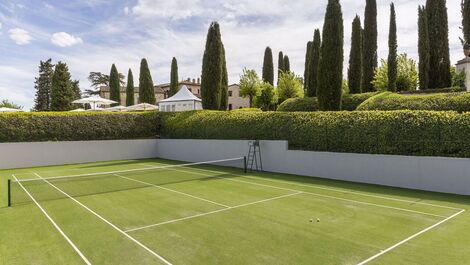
(63, 39)
(126, 10)
(20, 36)
(175, 9)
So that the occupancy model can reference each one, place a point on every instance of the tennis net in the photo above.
(88, 184)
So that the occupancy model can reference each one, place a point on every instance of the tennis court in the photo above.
(168, 212)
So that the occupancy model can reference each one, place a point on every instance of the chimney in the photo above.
(198, 80)
(188, 80)
(194, 81)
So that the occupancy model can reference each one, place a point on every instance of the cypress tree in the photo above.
(76, 89)
(224, 83)
(355, 58)
(174, 78)
(130, 89)
(392, 51)
(212, 69)
(314, 64)
(308, 59)
(62, 93)
(466, 20)
(43, 86)
(439, 57)
(146, 90)
(369, 51)
(423, 48)
(268, 66)
(330, 76)
(114, 86)
(280, 65)
(286, 63)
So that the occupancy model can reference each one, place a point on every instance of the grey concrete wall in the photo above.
(450, 175)
(23, 155)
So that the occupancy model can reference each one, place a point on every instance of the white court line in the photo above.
(106, 221)
(409, 238)
(55, 225)
(336, 190)
(212, 212)
(319, 195)
(175, 191)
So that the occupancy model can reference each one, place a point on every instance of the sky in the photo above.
(91, 35)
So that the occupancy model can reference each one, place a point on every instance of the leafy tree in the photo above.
(407, 74)
(98, 79)
(249, 85)
(268, 66)
(62, 93)
(439, 59)
(286, 64)
(392, 51)
(212, 69)
(308, 59)
(423, 48)
(146, 89)
(465, 4)
(355, 58)
(7, 104)
(280, 65)
(369, 51)
(43, 86)
(289, 86)
(174, 83)
(458, 79)
(330, 76)
(267, 97)
(130, 89)
(77, 94)
(114, 86)
(314, 64)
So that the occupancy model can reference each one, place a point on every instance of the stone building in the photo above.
(193, 85)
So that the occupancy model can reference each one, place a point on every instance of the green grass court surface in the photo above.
(210, 214)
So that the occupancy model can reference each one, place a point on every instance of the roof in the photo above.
(183, 95)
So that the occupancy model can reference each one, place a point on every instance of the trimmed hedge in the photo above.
(421, 133)
(434, 91)
(69, 126)
(459, 102)
(349, 102)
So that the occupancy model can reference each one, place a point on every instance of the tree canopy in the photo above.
(249, 84)
(407, 74)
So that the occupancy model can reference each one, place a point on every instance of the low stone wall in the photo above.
(23, 155)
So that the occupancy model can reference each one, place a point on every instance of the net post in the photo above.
(9, 192)
(245, 165)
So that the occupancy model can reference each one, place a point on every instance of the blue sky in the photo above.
(90, 35)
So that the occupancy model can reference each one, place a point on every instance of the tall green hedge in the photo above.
(67, 126)
(348, 102)
(397, 133)
(459, 102)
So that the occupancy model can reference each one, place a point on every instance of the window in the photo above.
(230, 107)
(173, 107)
(230, 93)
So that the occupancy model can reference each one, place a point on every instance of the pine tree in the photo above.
(77, 94)
(43, 86)
(286, 63)
(114, 86)
(369, 50)
(224, 83)
(330, 76)
(130, 89)
(392, 51)
(146, 90)
(174, 83)
(423, 48)
(439, 59)
(268, 66)
(308, 59)
(314, 64)
(212, 69)
(466, 20)
(280, 65)
(62, 93)
(355, 58)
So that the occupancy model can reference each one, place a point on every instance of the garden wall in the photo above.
(23, 155)
(450, 175)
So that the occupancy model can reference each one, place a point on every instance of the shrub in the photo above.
(349, 102)
(247, 110)
(69, 126)
(421, 133)
(434, 91)
(407, 75)
(459, 102)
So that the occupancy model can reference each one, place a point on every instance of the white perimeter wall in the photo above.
(450, 175)
(22, 155)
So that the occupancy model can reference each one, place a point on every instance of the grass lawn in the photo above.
(219, 215)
